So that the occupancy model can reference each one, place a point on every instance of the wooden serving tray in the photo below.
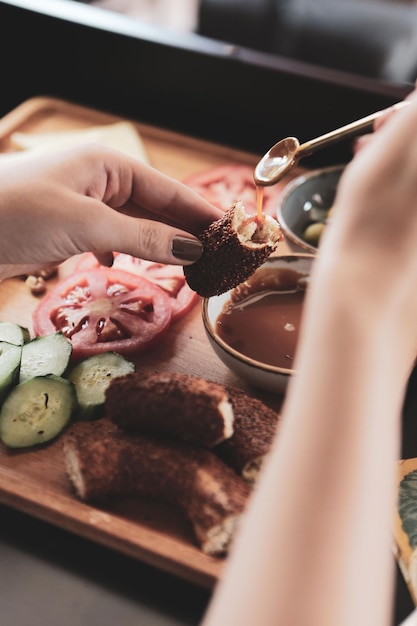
(34, 480)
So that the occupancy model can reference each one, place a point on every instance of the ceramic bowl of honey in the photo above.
(305, 207)
(254, 327)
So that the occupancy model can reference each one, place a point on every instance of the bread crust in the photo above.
(255, 427)
(181, 406)
(103, 462)
(233, 248)
(189, 408)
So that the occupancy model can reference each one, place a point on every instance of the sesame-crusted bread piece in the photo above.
(237, 426)
(233, 248)
(255, 426)
(178, 405)
(103, 462)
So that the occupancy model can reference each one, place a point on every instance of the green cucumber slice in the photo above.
(45, 355)
(13, 333)
(10, 356)
(36, 411)
(91, 378)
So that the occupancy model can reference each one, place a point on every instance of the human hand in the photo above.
(93, 198)
(371, 240)
(363, 140)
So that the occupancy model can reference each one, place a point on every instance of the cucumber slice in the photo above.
(45, 355)
(91, 378)
(13, 333)
(36, 411)
(10, 356)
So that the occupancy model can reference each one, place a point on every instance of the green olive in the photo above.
(313, 233)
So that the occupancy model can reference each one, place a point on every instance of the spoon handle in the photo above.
(350, 130)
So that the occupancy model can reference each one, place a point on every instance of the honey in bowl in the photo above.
(261, 319)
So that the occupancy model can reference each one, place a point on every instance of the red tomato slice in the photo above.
(225, 184)
(169, 277)
(105, 309)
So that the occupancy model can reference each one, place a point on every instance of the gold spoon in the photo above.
(285, 154)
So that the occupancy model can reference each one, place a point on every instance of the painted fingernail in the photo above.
(109, 259)
(104, 258)
(186, 249)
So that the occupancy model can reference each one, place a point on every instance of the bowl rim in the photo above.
(246, 360)
(288, 190)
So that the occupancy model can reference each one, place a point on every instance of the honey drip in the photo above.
(260, 201)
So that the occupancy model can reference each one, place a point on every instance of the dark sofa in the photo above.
(234, 95)
(371, 38)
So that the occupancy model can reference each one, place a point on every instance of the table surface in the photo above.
(50, 576)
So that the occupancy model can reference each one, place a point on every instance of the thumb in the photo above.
(146, 239)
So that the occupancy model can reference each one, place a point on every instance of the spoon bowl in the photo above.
(277, 162)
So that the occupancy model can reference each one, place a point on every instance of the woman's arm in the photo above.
(315, 546)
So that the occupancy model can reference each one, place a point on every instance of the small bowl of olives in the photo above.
(306, 205)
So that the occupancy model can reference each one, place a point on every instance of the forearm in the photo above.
(341, 492)
(315, 548)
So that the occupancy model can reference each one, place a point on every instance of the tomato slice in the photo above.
(169, 277)
(105, 309)
(225, 184)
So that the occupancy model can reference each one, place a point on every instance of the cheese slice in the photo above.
(122, 136)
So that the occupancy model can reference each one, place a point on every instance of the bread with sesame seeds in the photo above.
(173, 404)
(233, 248)
(103, 462)
(255, 427)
